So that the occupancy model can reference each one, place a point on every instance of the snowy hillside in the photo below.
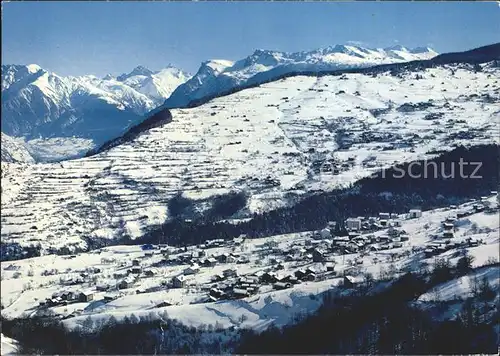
(37, 104)
(9, 346)
(357, 122)
(15, 150)
(218, 76)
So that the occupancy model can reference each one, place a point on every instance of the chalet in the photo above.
(300, 274)
(396, 223)
(193, 269)
(473, 243)
(330, 267)
(222, 258)
(384, 216)
(415, 213)
(231, 258)
(318, 255)
(198, 254)
(217, 278)
(85, 296)
(382, 222)
(353, 224)
(179, 281)
(126, 283)
(325, 233)
(451, 219)
(384, 238)
(448, 226)
(209, 262)
(136, 262)
(268, 277)
(149, 254)
(281, 285)
(279, 266)
(429, 252)
(108, 298)
(140, 291)
(151, 272)
(102, 287)
(351, 281)
(135, 270)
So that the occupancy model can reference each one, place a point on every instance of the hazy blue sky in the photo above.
(73, 38)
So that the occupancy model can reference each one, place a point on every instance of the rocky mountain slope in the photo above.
(15, 150)
(273, 143)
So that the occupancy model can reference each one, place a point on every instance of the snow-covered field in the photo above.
(26, 283)
(267, 141)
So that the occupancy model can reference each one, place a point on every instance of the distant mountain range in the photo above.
(219, 76)
(69, 115)
(38, 104)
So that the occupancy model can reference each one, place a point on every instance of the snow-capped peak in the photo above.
(33, 68)
(397, 48)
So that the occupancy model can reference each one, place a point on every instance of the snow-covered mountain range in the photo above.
(70, 115)
(219, 76)
(38, 104)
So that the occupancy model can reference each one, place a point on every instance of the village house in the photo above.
(150, 272)
(179, 281)
(85, 296)
(281, 285)
(353, 224)
(126, 283)
(325, 233)
(415, 213)
(118, 275)
(384, 216)
(209, 262)
(102, 287)
(135, 270)
(448, 226)
(268, 277)
(352, 281)
(318, 255)
(239, 293)
(193, 269)
(136, 262)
